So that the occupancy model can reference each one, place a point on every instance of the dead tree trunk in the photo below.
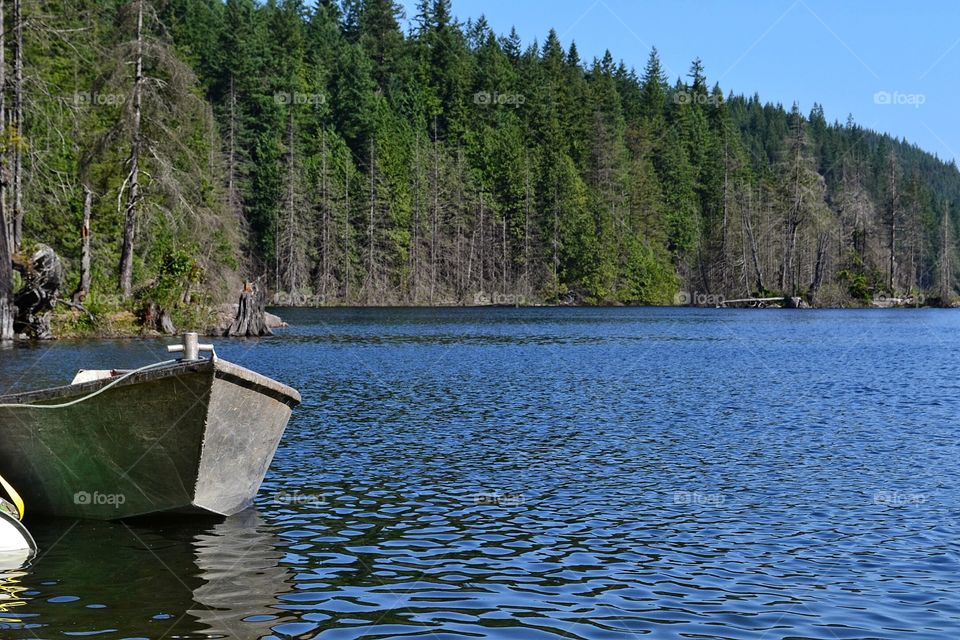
(346, 234)
(820, 266)
(894, 204)
(233, 190)
(528, 191)
(434, 214)
(324, 220)
(42, 276)
(761, 286)
(8, 310)
(83, 288)
(370, 226)
(788, 280)
(483, 285)
(945, 266)
(413, 292)
(133, 195)
(18, 125)
(251, 315)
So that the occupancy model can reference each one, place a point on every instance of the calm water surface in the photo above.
(550, 473)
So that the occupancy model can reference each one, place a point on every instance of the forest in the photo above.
(342, 153)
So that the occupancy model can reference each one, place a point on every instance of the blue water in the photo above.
(550, 473)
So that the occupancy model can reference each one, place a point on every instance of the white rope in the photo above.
(89, 395)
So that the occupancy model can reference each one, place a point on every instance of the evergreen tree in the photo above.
(316, 143)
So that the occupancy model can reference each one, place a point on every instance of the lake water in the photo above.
(550, 473)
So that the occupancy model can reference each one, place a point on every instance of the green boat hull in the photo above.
(190, 438)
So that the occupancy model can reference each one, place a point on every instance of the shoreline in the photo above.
(135, 332)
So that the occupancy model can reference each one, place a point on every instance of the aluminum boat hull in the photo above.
(192, 437)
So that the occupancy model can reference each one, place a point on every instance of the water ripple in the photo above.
(545, 473)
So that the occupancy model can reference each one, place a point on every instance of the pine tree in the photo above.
(317, 142)
(381, 38)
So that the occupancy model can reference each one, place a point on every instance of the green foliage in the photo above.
(649, 277)
(863, 284)
(317, 143)
(178, 270)
(858, 285)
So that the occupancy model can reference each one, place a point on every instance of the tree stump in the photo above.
(250, 320)
(42, 275)
(158, 319)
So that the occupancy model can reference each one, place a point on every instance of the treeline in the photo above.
(351, 159)
(110, 154)
(377, 166)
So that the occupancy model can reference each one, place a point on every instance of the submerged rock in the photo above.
(273, 321)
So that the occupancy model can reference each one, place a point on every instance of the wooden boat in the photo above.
(194, 436)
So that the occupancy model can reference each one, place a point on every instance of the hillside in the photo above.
(348, 162)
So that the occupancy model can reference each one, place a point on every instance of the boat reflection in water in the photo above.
(11, 595)
(240, 564)
(180, 579)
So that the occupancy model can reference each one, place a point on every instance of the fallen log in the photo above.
(76, 306)
(753, 300)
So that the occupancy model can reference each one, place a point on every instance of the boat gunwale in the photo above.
(230, 372)
(222, 369)
(83, 388)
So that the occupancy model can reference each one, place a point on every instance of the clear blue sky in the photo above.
(840, 53)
